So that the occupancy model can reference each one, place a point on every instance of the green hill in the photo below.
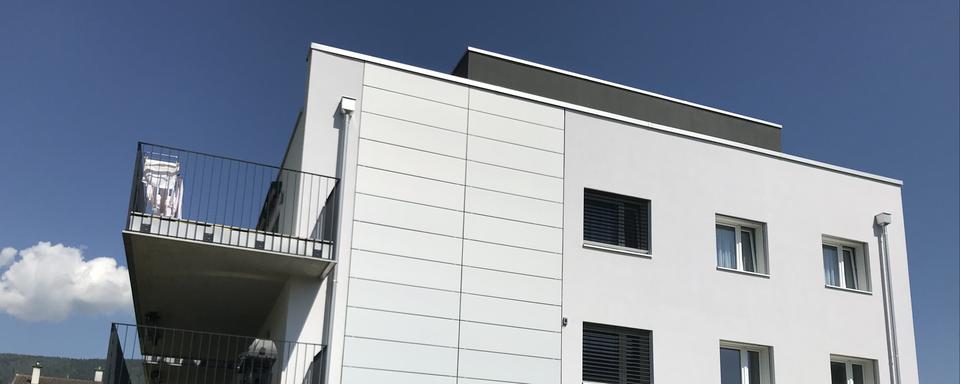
(52, 366)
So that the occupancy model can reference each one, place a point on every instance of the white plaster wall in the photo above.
(274, 327)
(292, 159)
(413, 172)
(331, 78)
(403, 300)
(297, 316)
(424, 304)
(680, 295)
(513, 224)
(312, 150)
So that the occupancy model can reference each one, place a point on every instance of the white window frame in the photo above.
(766, 370)
(860, 260)
(869, 370)
(760, 244)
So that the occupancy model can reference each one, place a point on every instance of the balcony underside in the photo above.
(188, 283)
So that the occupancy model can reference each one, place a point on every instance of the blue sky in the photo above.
(867, 85)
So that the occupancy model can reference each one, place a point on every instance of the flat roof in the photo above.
(607, 115)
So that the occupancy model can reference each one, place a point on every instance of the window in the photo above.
(844, 264)
(616, 355)
(616, 220)
(847, 370)
(741, 245)
(744, 363)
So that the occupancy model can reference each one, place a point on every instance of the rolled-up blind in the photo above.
(616, 219)
(616, 355)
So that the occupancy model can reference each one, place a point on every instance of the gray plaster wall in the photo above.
(541, 82)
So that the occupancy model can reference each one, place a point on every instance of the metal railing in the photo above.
(201, 197)
(152, 355)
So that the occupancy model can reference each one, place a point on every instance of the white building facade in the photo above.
(490, 235)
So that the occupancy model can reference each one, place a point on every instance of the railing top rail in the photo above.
(141, 144)
(222, 200)
(115, 325)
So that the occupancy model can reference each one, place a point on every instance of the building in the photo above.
(35, 378)
(512, 223)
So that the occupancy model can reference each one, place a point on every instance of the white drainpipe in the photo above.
(347, 108)
(883, 220)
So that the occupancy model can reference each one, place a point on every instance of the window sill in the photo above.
(748, 273)
(848, 289)
(616, 249)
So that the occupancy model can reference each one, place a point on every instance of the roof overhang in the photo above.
(606, 115)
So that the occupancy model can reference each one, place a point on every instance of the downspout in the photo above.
(346, 108)
(882, 221)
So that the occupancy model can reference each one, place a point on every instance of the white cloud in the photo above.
(51, 282)
(6, 256)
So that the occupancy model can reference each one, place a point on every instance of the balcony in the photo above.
(153, 355)
(211, 241)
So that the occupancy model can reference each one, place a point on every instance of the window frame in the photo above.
(622, 358)
(868, 368)
(860, 260)
(766, 360)
(761, 260)
(619, 198)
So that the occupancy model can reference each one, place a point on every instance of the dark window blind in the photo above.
(616, 219)
(616, 355)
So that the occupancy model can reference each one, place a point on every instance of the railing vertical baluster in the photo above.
(210, 357)
(283, 227)
(205, 180)
(194, 357)
(291, 358)
(199, 178)
(214, 358)
(166, 199)
(227, 236)
(211, 194)
(289, 367)
(125, 350)
(258, 177)
(184, 169)
(244, 186)
(311, 216)
(264, 214)
(303, 355)
(284, 369)
(235, 220)
(199, 357)
(138, 350)
(276, 370)
(218, 358)
(182, 355)
(214, 196)
(232, 363)
(161, 204)
(164, 356)
(198, 183)
(235, 187)
(170, 355)
(216, 209)
(294, 210)
(225, 198)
